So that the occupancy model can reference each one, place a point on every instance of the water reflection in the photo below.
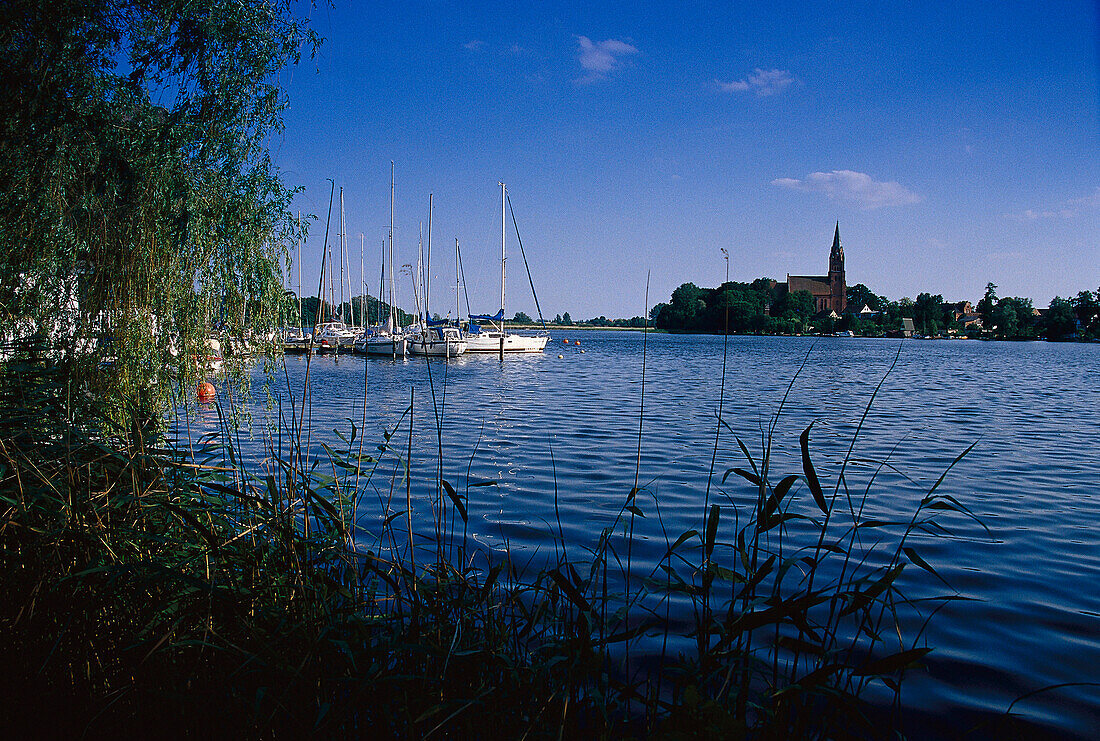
(541, 427)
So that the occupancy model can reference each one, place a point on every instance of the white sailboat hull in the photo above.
(443, 342)
(437, 348)
(513, 343)
(388, 346)
(337, 334)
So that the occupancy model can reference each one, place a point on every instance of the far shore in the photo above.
(571, 327)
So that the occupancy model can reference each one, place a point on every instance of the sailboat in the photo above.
(296, 340)
(335, 333)
(434, 338)
(497, 339)
(388, 338)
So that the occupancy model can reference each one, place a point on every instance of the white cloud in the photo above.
(600, 58)
(737, 86)
(763, 82)
(474, 45)
(855, 188)
(1069, 209)
(1090, 201)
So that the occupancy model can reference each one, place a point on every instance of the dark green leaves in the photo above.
(892, 664)
(455, 499)
(712, 530)
(811, 473)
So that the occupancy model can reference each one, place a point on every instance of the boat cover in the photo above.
(498, 317)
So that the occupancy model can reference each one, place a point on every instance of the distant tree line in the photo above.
(376, 311)
(1064, 319)
(759, 307)
(765, 307)
(564, 320)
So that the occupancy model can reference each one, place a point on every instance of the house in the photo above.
(960, 309)
(865, 313)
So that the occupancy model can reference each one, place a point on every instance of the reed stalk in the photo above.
(151, 584)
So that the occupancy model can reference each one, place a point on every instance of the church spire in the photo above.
(836, 254)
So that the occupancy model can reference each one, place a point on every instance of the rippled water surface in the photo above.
(541, 424)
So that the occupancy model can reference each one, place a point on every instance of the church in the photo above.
(830, 291)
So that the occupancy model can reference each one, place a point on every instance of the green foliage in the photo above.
(655, 313)
(1060, 321)
(798, 306)
(986, 304)
(636, 322)
(376, 312)
(860, 295)
(138, 206)
(144, 587)
(928, 313)
(1086, 305)
(1014, 319)
(522, 318)
(766, 308)
(733, 307)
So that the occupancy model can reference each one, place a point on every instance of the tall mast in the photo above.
(319, 316)
(363, 280)
(299, 272)
(331, 290)
(416, 274)
(502, 258)
(428, 264)
(393, 323)
(343, 249)
(347, 264)
(458, 289)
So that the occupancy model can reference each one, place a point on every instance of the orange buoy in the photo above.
(576, 342)
(565, 342)
(206, 391)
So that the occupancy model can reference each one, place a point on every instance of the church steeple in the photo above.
(836, 255)
(838, 288)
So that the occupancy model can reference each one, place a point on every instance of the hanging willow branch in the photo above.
(139, 209)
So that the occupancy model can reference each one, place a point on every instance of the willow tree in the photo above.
(138, 205)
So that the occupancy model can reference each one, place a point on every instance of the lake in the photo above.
(538, 424)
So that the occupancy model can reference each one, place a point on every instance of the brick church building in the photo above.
(829, 291)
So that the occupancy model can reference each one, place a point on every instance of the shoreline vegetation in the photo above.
(758, 308)
(151, 585)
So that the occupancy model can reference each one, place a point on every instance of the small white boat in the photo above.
(437, 342)
(497, 339)
(382, 343)
(296, 341)
(336, 334)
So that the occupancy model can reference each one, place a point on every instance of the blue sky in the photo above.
(957, 143)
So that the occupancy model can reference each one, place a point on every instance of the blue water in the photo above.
(542, 424)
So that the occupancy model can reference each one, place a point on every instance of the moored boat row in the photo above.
(485, 334)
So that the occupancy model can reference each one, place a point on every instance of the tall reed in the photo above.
(151, 587)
